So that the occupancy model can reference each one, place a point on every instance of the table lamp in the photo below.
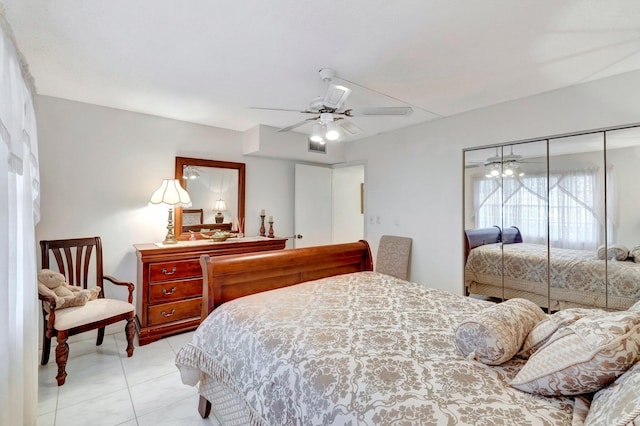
(220, 207)
(171, 194)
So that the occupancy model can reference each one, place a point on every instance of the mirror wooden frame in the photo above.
(181, 162)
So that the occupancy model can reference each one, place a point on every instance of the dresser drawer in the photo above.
(167, 312)
(175, 290)
(166, 271)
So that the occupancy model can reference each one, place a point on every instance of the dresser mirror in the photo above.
(216, 189)
(555, 220)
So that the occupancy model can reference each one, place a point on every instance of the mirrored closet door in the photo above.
(555, 220)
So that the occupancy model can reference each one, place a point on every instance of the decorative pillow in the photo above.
(583, 357)
(635, 307)
(494, 335)
(618, 403)
(545, 328)
(614, 251)
(635, 253)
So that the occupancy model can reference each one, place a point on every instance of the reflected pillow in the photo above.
(545, 328)
(613, 251)
(583, 357)
(511, 235)
(635, 253)
(494, 335)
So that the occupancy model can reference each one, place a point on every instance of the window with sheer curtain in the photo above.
(575, 203)
(19, 212)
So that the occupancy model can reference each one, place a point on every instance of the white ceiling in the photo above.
(207, 61)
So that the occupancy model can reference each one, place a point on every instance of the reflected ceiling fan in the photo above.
(506, 165)
(329, 116)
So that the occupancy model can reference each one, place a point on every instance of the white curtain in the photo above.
(19, 212)
(574, 197)
(576, 209)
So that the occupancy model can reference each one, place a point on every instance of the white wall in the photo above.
(99, 166)
(414, 176)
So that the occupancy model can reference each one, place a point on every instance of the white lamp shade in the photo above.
(171, 193)
(220, 206)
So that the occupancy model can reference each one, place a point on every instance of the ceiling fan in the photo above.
(506, 165)
(329, 116)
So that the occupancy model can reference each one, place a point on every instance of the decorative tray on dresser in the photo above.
(169, 287)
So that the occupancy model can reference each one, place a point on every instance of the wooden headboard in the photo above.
(481, 236)
(232, 276)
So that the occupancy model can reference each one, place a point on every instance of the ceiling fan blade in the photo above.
(350, 128)
(286, 109)
(380, 111)
(336, 95)
(298, 124)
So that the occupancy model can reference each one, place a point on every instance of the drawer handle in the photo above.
(173, 271)
(168, 293)
(164, 314)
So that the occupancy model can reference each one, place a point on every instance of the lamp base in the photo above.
(219, 217)
(170, 238)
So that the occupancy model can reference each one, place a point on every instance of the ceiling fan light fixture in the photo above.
(332, 132)
(316, 134)
(190, 172)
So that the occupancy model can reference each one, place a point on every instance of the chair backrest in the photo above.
(192, 216)
(393, 256)
(75, 259)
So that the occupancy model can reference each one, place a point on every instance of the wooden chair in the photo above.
(192, 217)
(78, 260)
(393, 256)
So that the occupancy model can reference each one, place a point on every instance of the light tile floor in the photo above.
(104, 387)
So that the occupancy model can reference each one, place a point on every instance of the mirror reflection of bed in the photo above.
(573, 202)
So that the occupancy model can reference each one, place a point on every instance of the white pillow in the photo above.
(613, 251)
(583, 357)
(494, 335)
(618, 403)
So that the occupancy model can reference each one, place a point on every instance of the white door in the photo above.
(348, 204)
(312, 206)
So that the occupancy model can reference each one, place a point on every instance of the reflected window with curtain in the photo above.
(574, 206)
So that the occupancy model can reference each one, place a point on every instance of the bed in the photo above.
(519, 269)
(336, 343)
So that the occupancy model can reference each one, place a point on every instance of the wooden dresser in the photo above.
(169, 287)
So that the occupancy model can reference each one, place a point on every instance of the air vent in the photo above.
(317, 147)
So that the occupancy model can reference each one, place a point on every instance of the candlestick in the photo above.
(262, 229)
(271, 234)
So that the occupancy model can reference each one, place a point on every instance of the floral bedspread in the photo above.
(358, 349)
(577, 270)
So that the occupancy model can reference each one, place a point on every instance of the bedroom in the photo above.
(419, 184)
